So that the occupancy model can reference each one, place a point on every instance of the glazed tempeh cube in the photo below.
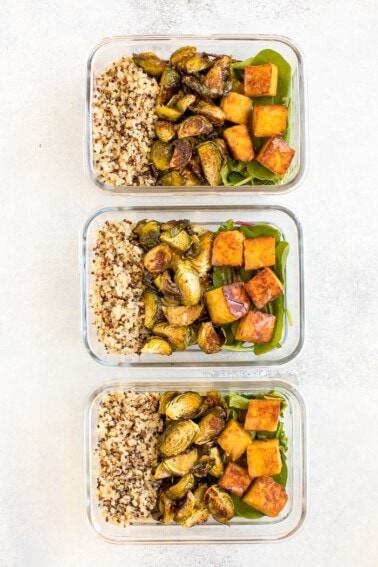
(255, 327)
(236, 107)
(227, 304)
(235, 479)
(239, 142)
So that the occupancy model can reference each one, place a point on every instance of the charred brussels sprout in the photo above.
(157, 259)
(190, 179)
(161, 154)
(183, 406)
(222, 147)
(210, 339)
(165, 130)
(167, 509)
(164, 399)
(185, 102)
(150, 63)
(194, 126)
(217, 77)
(218, 469)
(195, 85)
(186, 509)
(188, 281)
(213, 113)
(182, 315)
(148, 233)
(178, 336)
(180, 56)
(180, 465)
(203, 466)
(220, 504)
(178, 437)
(168, 113)
(169, 85)
(202, 260)
(182, 153)
(211, 161)
(210, 426)
(161, 472)
(181, 488)
(156, 345)
(199, 494)
(152, 308)
(197, 63)
(166, 286)
(199, 516)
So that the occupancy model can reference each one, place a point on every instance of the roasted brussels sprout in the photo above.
(220, 504)
(161, 472)
(186, 509)
(199, 494)
(164, 399)
(165, 130)
(150, 63)
(203, 466)
(218, 469)
(178, 437)
(182, 152)
(195, 166)
(182, 315)
(195, 85)
(167, 508)
(179, 465)
(179, 57)
(168, 113)
(210, 426)
(211, 161)
(202, 260)
(210, 339)
(157, 259)
(190, 180)
(166, 286)
(213, 113)
(181, 488)
(156, 345)
(161, 154)
(185, 102)
(148, 233)
(177, 238)
(194, 126)
(152, 308)
(172, 179)
(199, 516)
(187, 280)
(222, 147)
(169, 84)
(216, 78)
(174, 100)
(179, 337)
(183, 406)
(197, 63)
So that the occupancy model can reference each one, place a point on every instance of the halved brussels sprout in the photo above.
(211, 400)
(164, 399)
(150, 63)
(148, 232)
(213, 113)
(199, 494)
(157, 259)
(161, 154)
(210, 426)
(190, 180)
(181, 488)
(165, 130)
(156, 345)
(218, 469)
(161, 472)
(167, 113)
(178, 238)
(182, 152)
(194, 126)
(186, 509)
(195, 166)
(152, 308)
(178, 437)
(174, 100)
(164, 284)
(182, 315)
(222, 147)
(179, 465)
(179, 56)
(203, 466)
(195, 85)
(167, 508)
(183, 406)
(202, 260)
(211, 161)
(199, 516)
(220, 504)
(187, 280)
(215, 79)
(169, 84)
(178, 336)
(172, 179)
(185, 102)
(210, 339)
(197, 63)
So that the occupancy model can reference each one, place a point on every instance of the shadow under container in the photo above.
(211, 218)
(240, 47)
(240, 530)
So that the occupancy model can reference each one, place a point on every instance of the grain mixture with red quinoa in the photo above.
(123, 124)
(128, 429)
(117, 289)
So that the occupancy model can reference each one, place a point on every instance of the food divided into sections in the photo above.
(193, 119)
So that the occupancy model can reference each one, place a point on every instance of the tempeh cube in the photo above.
(236, 107)
(235, 479)
(239, 142)
(227, 303)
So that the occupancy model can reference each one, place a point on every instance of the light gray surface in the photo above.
(46, 375)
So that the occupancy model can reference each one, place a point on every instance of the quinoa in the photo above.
(128, 429)
(117, 289)
(123, 124)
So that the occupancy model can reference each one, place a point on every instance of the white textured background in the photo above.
(45, 197)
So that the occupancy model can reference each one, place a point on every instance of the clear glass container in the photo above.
(279, 217)
(240, 47)
(239, 530)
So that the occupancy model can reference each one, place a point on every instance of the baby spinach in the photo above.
(243, 510)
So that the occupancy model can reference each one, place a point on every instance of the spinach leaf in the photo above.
(255, 230)
(243, 510)
(222, 276)
(281, 478)
(284, 77)
(237, 401)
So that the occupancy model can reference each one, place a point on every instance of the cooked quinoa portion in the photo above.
(123, 124)
(117, 289)
(128, 428)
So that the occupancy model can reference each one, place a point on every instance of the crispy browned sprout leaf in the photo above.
(195, 85)
(185, 102)
(167, 113)
(157, 345)
(216, 78)
(190, 179)
(212, 112)
(167, 508)
(152, 308)
(166, 286)
(197, 63)
(222, 147)
(186, 509)
(181, 488)
(172, 179)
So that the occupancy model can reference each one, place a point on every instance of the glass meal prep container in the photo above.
(240, 530)
(279, 217)
(240, 47)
